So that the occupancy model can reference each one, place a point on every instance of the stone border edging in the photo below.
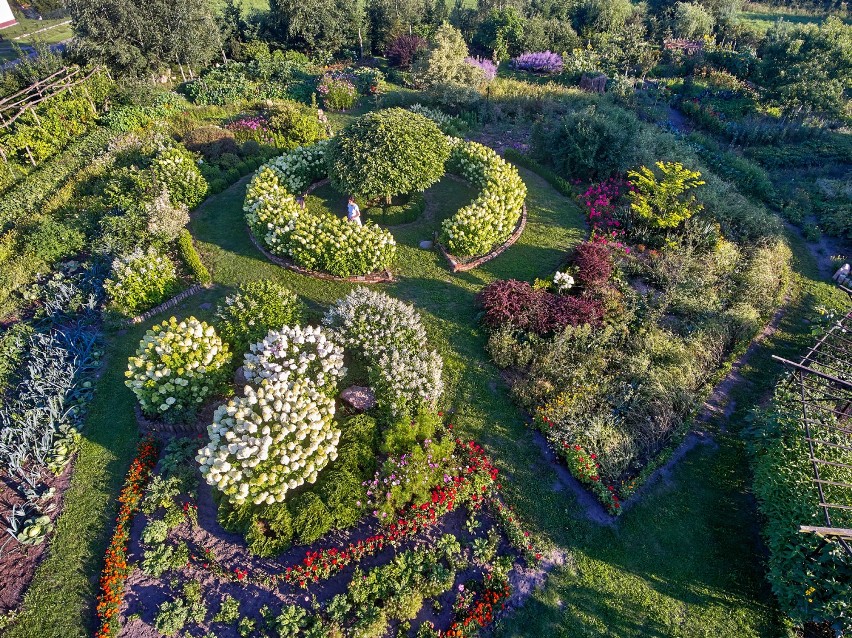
(163, 306)
(371, 278)
(457, 265)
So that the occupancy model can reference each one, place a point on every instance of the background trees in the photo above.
(138, 38)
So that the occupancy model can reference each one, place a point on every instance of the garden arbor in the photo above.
(822, 381)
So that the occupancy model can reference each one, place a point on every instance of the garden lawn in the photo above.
(683, 562)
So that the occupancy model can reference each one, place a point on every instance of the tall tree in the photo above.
(137, 38)
(316, 25)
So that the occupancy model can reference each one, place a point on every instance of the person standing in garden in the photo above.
(353, 213)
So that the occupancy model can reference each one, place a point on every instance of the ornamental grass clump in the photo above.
(296, 353)
(176, 367)
(538, 62)
(389, 335)
(493, 216)
(140, 280)
(273, 439)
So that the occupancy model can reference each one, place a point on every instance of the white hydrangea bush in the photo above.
(273, 439)
(301, 167)
(388, 333)
(492, 217)
(320, 242)
(140, 280)
(177, 365)
(296, 353)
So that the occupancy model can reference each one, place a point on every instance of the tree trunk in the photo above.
(388, 199)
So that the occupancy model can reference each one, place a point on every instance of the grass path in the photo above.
(683, 562)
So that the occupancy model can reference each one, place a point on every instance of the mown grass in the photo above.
(683, 562)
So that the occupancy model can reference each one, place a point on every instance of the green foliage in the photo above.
(387, 153)
(191, 258)
(444, 62)
(404, 434)
(53, 240)
(155, 532)
(271, 530)
(229, 612)
(692, 21)
(256, 308)
(176, 169)
(660, 202)
(311, 518)
(161, 558)
(395, 215)
(140, 281)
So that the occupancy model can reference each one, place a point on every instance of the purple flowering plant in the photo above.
(487, 66)
(538, 62)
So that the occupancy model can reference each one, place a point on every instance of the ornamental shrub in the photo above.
(177, 170)
(165, 218)
(273, 439)
(191, 258)
(539, 62)
(270, 532)
(388, 334)
(403, 49)
(337, 91)
(594, 264)
(301, 167)
(311, 518)
(493, 216)
(444, 61)
(295, 124)
(140, 281)
(386, 153)
(256, 308)
(292, 353)
(176, 367)
(660, 202)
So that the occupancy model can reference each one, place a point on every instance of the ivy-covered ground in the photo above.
(684, 561)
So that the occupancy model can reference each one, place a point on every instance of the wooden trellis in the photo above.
(26, 100)
(823, 388)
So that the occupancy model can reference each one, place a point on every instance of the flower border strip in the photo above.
(372, 278)
(116, 570)
(458, 265)
(186, 294)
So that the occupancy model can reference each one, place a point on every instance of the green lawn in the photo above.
(684, 562)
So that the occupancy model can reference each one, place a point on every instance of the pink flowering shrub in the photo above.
(602, 201)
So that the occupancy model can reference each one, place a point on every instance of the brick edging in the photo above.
(457, 265)
(163, 306)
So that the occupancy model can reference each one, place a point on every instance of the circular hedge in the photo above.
(323, 242)
(387, 153)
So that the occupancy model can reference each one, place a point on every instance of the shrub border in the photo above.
(459, 265)
(370, 278)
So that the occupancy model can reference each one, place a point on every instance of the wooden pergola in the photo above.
(822, 382)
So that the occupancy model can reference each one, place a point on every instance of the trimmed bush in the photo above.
(176, 169)
(256, 308)
(191, 258)
(176, 367)
(140, 281)
(386, 153)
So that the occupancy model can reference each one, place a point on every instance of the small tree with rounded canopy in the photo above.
(661, 202)
(387, 153)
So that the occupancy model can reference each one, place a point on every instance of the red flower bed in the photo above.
(480, 610)
(115, 569)
(479, 475)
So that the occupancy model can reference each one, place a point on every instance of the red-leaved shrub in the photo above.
(516, 303)
(403, 48)
(594, 264)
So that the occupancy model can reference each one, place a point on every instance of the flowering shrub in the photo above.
(492, 217)
(368, 81)
(176, 367)
(296, 353)
(337, 91)
(140, 280)
(488, 68)
(389, 335)
(563, 282)
(602, 202)
(256, 308)
(474, 612)
(176, 169)
(251, 127)
(594, 264)
(116, 570)
(165, 219)
(314, 241)
(269, 441)
(539, 62)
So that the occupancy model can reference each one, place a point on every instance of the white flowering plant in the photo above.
(177, 170)
(294, 353)
(389, 335)
(165, 219)
(177, 365)
(563, 282)
(140, 280)
(257, 307)
(492, 217)
(316, 241)
(273, 439)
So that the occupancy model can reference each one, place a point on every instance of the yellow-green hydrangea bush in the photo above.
(492, 217)
(177, 169)
(177, 366)
(140, 280)
(273, 439)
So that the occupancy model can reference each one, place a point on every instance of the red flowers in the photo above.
(480, 611)
(115, 569)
